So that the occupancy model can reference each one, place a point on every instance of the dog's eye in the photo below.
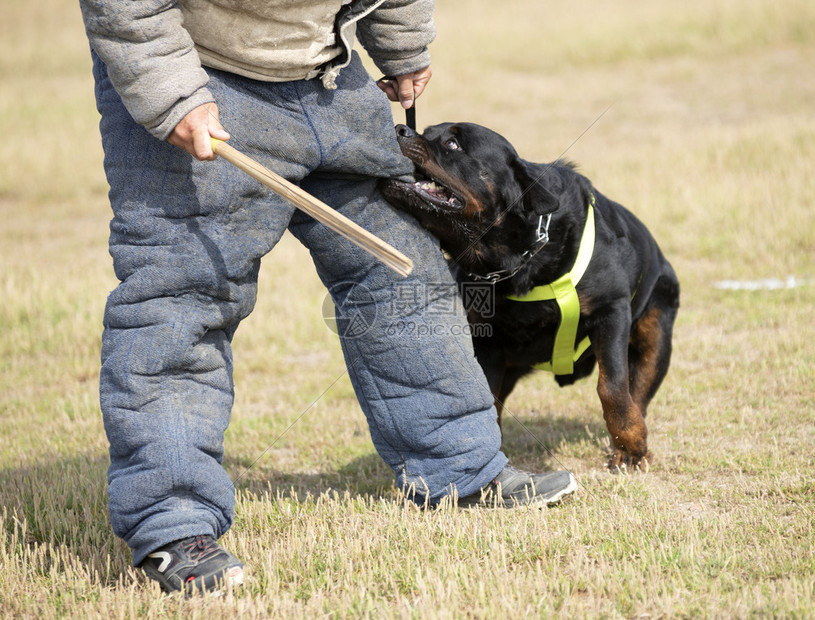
(451, 144)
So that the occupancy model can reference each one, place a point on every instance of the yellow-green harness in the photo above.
(563, 291)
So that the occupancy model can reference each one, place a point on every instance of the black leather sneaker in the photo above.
(514, 487)
(197, 564)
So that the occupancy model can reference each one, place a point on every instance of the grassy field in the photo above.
(700, 118)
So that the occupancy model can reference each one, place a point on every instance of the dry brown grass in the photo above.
(698, 117)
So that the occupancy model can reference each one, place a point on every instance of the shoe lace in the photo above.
(199, 546)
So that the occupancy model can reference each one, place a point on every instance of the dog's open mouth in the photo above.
(435, 194)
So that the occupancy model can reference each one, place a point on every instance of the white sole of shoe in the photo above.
(569, 489)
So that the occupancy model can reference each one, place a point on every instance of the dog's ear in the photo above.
(535, 198)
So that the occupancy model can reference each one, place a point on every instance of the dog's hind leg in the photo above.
(649, 355)
(649, 351)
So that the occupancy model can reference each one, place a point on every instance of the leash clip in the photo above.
(543, 231)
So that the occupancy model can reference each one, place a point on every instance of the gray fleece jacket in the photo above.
(154, 65)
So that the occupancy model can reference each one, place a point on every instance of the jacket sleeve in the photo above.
(397, 34)
(150, 58)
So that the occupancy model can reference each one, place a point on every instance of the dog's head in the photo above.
(469, 182)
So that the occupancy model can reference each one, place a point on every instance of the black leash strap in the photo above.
(410, 113)
(410, 116)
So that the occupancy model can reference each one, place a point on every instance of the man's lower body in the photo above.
(187, 238)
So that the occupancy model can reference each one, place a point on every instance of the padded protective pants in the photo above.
(186, 240)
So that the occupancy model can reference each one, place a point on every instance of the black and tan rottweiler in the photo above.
(576, 277)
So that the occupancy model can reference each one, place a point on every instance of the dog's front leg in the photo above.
(494, 366)
(624, 418)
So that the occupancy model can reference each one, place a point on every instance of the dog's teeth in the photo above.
(433, 189)
(428, 186)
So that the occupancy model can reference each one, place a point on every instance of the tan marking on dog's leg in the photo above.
(647, 339)
(624, 421)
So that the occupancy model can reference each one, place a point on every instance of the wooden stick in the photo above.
(317, 209)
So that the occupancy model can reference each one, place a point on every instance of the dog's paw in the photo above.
(621, 462)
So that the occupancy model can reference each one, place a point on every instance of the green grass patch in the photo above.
(698, 118)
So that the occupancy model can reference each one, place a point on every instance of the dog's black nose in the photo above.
(403, 131)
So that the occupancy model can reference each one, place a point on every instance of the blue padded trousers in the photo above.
(187, 238)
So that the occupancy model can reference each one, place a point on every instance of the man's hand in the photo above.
(407, 87)
(193, 132)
